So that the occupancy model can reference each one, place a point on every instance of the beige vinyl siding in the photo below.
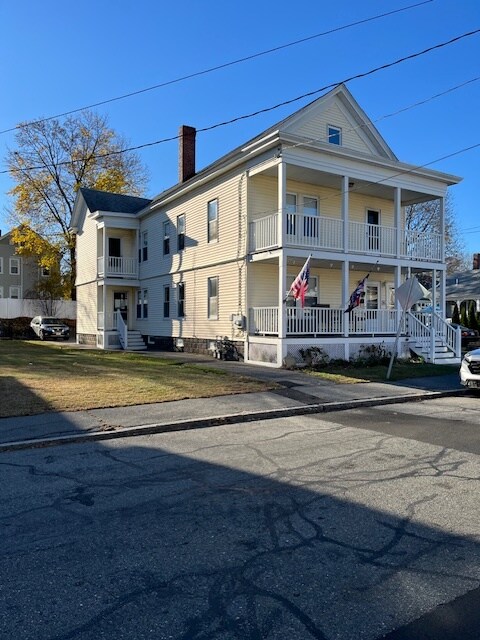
(316, 128)
(262, 197)
(195, 323)
(198, 253)
(358, 205)
(87, 252)
(87, 308)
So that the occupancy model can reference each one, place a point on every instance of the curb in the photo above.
(200, 423)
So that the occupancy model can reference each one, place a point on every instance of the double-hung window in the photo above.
(166, 301)
(213, 298)
(310, 212)
(14, 267)
(181, 232)
(145, 246)
(291, 207)
(166, 238)
(213, 221)
(142, 304)
(15, 292)
(181, 300)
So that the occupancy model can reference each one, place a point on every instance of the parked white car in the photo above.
(46, 327)
(470, 369)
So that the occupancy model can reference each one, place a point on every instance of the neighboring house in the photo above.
(462, 288)
(215, 255)
(19, 276)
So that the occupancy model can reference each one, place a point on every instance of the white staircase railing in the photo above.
(122, 330)
(428, 330)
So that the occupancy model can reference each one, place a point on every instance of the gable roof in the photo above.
(340, 96)
(463, 285)
(115, 202)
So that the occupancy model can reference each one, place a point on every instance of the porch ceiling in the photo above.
(333, 181)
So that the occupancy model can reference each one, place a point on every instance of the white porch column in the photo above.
(441, 209)
(397, 208)
(282, 203)
(345, 295)
(282, 308)
(345, 216)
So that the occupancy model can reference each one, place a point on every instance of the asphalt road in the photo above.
(353, 525)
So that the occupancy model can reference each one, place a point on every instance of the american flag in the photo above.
(300, 284)
(356, 296)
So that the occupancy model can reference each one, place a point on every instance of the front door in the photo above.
(120, 303)
(372, 291)
(373, 221)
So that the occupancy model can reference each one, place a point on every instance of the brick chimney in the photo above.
(186, 152)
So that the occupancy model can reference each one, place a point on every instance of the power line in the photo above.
(220, 66)
(271, 108)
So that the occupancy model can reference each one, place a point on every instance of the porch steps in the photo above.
(442, 353)
(135, 341)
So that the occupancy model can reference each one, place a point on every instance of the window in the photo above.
(166, 238)
(145, 245)
(181, 232)
(213, 221)
(142, 304)
(14, 267)
(291, 202)
(181, 300)
(311, 296)
(213, 298)
(166, 302)
(310, 211)
(334, 135)
(15, 292)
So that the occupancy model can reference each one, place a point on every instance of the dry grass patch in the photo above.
(36, 377)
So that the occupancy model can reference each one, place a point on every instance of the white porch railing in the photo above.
(263, 233)
(106, 321)
(372, 238)
(424, 246)
(318, 232)
(125, 267)
(317, 321)
(314, 231)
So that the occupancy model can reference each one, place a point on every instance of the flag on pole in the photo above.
(300, 284)
(356, 296)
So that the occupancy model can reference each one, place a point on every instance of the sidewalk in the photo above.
(298, 394)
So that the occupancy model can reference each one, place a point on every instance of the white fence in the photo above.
(13, 308)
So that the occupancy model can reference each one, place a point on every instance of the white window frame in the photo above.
(333, 130)
(12, 262)
(181, 224)
(212, 223)
(11, 292)
(212, 300)
(291, 277)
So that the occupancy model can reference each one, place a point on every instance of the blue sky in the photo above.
(58, 56)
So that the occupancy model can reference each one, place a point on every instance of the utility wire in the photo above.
(271, 108)
(218, 67)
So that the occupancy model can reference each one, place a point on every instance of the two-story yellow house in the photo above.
(215, 255)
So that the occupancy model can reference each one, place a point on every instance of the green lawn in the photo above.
(36, 377)
(350, 374)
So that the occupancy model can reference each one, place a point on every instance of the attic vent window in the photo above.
(334, 135)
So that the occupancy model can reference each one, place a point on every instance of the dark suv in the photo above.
(47, 327)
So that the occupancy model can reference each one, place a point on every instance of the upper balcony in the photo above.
(327, 234)
(114, 267)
